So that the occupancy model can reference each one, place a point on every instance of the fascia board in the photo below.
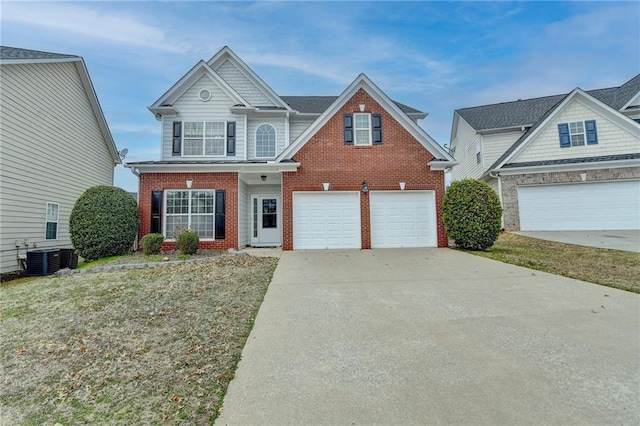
(568, 167)
(248, 73)
(97, 110)
(204, 168)
(39, 61)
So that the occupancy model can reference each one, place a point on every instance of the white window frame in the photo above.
(479, 150)
(584, 133)
(355, 129)
(255, 141)
(204, 138)
(188, 214)
(47, 221)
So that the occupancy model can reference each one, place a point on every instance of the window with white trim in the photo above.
(362, 128)
(478, 150)
(204, 138)
(576, 130)
(51, 223)
(192, 209)
(265, 141)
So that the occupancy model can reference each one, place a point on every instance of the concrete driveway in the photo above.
(435, 336)
(617, 240)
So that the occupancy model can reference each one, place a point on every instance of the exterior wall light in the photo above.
(263, 178)
(325, 186)
(402, 186)
(189, 183)
(365, 187)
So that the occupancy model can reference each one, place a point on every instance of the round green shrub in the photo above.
(104, 222)
(187, 242)
(472, 213)
(152, 243)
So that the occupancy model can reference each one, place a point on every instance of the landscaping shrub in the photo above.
(471, 213)
(152, 243)
(104, 222)
(187, 242)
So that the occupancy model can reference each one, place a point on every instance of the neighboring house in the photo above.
(564, 162)
(54, 144)
(243, 166)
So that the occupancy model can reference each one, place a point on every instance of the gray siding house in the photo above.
(54, 144)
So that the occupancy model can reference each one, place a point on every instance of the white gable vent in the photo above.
(204, 95)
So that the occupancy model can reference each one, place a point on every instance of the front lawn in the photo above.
(612, 268)
(151, 346)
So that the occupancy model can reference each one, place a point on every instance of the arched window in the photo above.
(265, 141)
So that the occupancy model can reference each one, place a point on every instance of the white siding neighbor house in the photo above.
(559, 163)
(54, 144)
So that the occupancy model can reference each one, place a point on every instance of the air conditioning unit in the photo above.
(43, 262)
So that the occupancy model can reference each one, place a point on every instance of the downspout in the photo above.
(497, 176)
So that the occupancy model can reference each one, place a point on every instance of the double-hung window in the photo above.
(578, 133)
(190, 209)
(204, 138)
(51, 224)
(576, 129)
(362, 127)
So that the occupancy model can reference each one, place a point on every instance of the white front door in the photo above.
(265, 221)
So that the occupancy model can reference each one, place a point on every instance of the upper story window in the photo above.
(265, 141)
(204, 138)
(51, 224)
(479, 150)
(362, 123)
(578, 133)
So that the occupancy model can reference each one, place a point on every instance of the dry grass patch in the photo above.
(612, 268)
(154, 346)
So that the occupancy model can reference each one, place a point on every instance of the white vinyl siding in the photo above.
(612, 139)
(52, 149)
(326, 220)
(191, 109)
(579, 207)
(465, 153)
(296, 127)
(495, 144)
(243, 85)
(243, 214)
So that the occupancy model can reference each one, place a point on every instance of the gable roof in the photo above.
(318, 104)
(528, 135)
(363, 82)
(17, 56)
(530, 111)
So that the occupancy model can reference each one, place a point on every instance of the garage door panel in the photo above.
(580, 207)
(403, 219)
(324, 220)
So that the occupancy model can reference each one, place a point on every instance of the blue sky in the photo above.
(434, 56)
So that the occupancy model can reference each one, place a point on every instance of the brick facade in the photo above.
(325, 158)
(221, 181)
(510, 185)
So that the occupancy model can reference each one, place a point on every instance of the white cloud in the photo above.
(91, 22)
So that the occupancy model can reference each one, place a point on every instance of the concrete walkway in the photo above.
(616, 240)
(435, 336)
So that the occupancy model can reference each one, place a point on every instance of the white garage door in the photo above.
(326, 220)
(580, 207)
(403, 219)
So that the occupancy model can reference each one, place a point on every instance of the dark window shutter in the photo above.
(376, 125)
(231, 138)
(156, 212)
(177, 138)
(592, 132)
(637, 120)
(219, 220)
(347, 120)
(563, 132)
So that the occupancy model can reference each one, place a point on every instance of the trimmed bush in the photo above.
(152, 243)
(104, 222)
(472, 213)
(187, 242)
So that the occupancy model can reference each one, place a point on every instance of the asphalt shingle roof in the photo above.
(319, 104)
(618, 157)
(7, 52)
(530, 111)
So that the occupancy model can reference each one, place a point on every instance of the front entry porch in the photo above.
(260, 214)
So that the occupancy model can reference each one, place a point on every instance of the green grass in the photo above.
(98, 262)
(611, 268)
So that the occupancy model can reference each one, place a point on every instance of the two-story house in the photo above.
(244, 166)
(54, 145)
(563, 162)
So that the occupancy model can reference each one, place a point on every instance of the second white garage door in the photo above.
(403, 219)
(580, 207)
(326, 220)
